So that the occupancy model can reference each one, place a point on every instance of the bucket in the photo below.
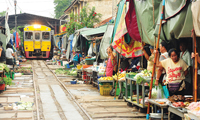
(67, 66)
(2, 86)
(13, 75)
(7, 75)
(61, 62)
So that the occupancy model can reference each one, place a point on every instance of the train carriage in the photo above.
(37, 41)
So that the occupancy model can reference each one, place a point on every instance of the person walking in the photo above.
(9, 54)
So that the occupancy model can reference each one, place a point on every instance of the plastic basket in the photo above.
(84, 77)
(105, 83)
(79, 67)
(89, 61)
(105, 89)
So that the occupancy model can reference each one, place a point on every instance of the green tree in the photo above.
(60, 7)
(87, 18)
(2, 13)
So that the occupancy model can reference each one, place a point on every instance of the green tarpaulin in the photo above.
(94, 31)
(178, 23)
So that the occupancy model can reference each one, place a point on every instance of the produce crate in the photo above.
(105, 83)
(105, 89)
(90, 61)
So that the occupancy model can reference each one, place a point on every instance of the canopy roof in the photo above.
(26, 18)
(94, 31)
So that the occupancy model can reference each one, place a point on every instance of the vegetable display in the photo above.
(25, 70)
(23, 105)
(143, 76)
(61, 71)
(4, 67)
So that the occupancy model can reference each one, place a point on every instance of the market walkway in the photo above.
(54, 103)
(22, 90)
(99, 107)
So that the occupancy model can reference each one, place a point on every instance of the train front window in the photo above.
(29, 35)
(37, 35)
(45, 35)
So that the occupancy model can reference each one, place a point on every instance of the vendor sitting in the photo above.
(135, 64)
(76, 58)
(124, 64)
(83, 56)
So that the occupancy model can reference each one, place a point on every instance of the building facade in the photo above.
(103, 7)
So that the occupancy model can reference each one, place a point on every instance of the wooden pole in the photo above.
(118, 70)
(154, 65)
(195, 68)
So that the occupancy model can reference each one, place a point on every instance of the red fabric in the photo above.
(138, 67)
(131, 22)
(124, 70)
(17, 40)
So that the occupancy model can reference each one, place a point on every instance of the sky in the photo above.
(38, 7)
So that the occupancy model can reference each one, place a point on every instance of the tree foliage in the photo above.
(87, 18)
(60, 7)
(2, 13)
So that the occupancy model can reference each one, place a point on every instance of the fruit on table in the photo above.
(119, 76)
(106, 78)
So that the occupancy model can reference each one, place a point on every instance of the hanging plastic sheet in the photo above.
(177, 19)
(105, 42)
(196, 16)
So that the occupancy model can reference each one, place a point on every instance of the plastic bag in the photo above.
(154, 93)
(166, 91)
(157, 93)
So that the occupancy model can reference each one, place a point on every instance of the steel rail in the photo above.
(35, 90)
(74, 100)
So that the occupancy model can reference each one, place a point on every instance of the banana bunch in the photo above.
(106, 78)
(119, 75)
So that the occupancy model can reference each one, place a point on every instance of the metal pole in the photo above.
(15, 3)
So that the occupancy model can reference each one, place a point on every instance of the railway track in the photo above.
(80, 101)
(54, 101)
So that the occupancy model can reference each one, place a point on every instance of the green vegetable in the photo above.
(140, 80)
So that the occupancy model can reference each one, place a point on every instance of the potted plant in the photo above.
(7, 80)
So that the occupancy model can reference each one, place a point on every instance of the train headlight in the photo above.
(26, 47)
(47, 47)
(37, 26)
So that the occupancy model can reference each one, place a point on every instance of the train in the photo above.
(38, 42)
